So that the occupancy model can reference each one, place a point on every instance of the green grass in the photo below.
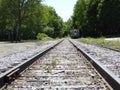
(101, 41)
(55, 63)
(114, 44)
(94, 40)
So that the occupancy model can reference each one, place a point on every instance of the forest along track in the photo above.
(62, 68)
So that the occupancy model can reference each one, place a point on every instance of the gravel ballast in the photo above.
(10, 59)
(109, 58)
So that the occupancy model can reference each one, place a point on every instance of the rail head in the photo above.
(113, 80)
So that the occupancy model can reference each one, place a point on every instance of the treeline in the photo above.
(97, 17)
(24, 19)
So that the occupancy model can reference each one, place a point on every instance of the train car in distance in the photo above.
(75, 33)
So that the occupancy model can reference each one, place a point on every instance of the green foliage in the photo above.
(79, 17)
(97, 18)
(49, 31)
(68, 27)
(55, 24)
(109, 17)
(41, 35)
(24, 19)
(15, 14)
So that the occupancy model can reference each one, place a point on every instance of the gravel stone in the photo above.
(17, 57)
(109, 58)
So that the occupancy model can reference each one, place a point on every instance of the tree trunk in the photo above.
(19, 23)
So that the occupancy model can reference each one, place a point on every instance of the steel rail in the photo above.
(113, 80)
(13, 73)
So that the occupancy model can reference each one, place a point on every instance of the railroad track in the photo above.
(108, 75)
(10, 75)
(62, 68)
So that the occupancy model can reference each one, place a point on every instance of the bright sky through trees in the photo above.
(64, 8)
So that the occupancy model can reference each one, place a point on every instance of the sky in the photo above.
(64, 8)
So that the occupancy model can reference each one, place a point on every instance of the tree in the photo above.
(69, 26)
(97, 17)
(109, 17)
(24, 19)
(80, 15)
(54, 23)
(16, 12)
(92, 19)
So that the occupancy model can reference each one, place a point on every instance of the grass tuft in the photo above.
(55, 63)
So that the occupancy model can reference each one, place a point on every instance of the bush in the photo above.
(41, 35)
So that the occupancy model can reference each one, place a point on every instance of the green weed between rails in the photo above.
(47, 69)
(115, 44)
(54, 64)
